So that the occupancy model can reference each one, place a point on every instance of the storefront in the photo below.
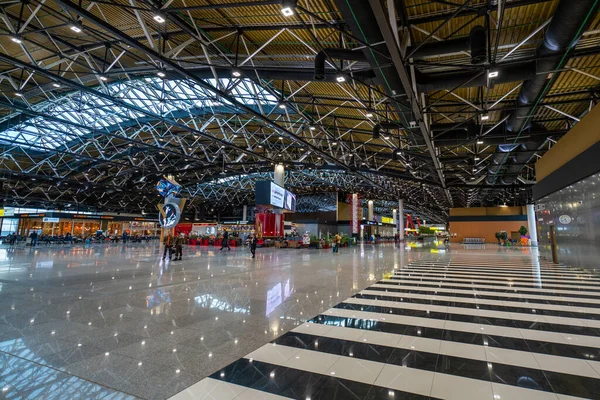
(83, 225)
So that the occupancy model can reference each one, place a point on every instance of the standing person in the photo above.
(13, 239)
(33, 236)
(336, 243)
(225, 241)
(168, 243)
(179, 247)
(253, 243)
(125, 239)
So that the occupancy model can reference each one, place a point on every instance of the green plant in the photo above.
(498, 236)
(314, 239)
(503, 236)
(523, 231)
(425, 230)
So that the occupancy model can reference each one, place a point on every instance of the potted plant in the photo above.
(504, 237)
(314, 242)
(498, 237)
(204, 240)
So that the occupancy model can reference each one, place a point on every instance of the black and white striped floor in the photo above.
(460, 329)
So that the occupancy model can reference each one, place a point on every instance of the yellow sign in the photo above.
(387, 220)
(1, 212)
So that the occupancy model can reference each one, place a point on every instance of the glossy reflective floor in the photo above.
(117, 322)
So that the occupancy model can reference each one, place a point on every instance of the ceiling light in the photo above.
(480, 142)
(334, 143)
(340, 78)
(386, 137)
(16, 39)
(399, 152)
(477, 158)
(159, 18)
(282, 105)
(56, 85)
(76, 26)
(19, 94)
(103, 78)
(492, 74)
(161, 74)
(236, 73)
(312, 127)
(287, 7)
(369, 115)
(485, 117)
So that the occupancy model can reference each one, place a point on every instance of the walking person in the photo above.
(253, 243)
(336, 243)
(179, 247)
(225, 241)
(13, 239)
(168, 243)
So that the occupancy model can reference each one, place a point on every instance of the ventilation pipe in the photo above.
(568, 22)
(340, 54)
(567, 25)
(475, 43)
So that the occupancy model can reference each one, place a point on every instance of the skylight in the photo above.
(79, 114)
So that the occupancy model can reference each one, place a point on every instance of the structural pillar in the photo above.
(244, 212)
(370, 210)
(395, 220)
(401, 220)
(279, 174)
(532, 225)
(355, 221)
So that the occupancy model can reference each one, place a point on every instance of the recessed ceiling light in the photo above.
(159, 18)
(480, 142)
(75, 29)
(369, 115)
(236, 73)
(340, 78)
(485, 117)
(161, 74)
(287, 11)
(282, 106)
(492, 74)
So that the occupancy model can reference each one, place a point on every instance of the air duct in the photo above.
(567, 25)
(475, 43)
(339, 54)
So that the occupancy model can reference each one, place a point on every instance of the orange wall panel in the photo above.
(482, 229)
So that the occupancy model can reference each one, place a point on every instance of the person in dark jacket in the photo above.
(253, 243)
(225, 241)
(179, 247)
(168, 242)
(34, 238)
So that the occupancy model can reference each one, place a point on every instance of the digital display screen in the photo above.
(166, 187)
(269, 193)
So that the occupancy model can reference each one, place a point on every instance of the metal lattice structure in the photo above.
(392, 99)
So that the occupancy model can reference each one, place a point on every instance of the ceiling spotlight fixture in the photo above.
(312, 127)
(76, 26)
(103, 78)
(334, 143)
(480, 142)
(281, 105)
(369, 115)
(476, 158)
(492, 74)
(19, 94)
(386, 137)
(159, 18)
(340, 78)
(485, 117)
(56, 85)
(287, 7)
(16, 39)
(236, 72)
(161, 74)
(399, 152)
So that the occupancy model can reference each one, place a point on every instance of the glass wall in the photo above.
(575, 213)
(9, 225)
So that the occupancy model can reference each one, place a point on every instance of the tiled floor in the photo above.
(470, 323)
(477, 324)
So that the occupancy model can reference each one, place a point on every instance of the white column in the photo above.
(370, 210)
(278, 174)
(355, 221)
(395, 220)
(532, 225)
(401, 219)
(245, 213)
(278, 178)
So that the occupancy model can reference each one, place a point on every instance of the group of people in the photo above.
(171, 243)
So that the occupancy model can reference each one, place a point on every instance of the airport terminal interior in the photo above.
(300, 199)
